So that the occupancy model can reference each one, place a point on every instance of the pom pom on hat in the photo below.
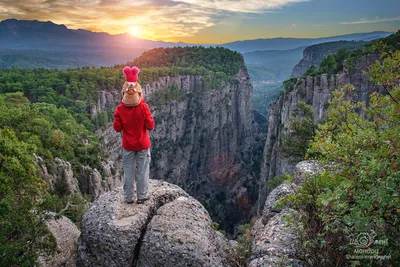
(131, 74)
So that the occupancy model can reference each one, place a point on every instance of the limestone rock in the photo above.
(112, 229)
(118, 234)
(95, 188)
(66, 234)
(269, 207)
(94, 184)
(275, 239)
(58, 175)
(180, 234)
(305, 169)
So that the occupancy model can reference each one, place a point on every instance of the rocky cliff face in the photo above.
(273, 243)
(202, 140)
(315, 91)
(315, 54)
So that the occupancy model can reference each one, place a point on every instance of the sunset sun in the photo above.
(134, 31)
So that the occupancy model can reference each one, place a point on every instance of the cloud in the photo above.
(294, 25)
(242, 6)
(157, 19)
(365, 21)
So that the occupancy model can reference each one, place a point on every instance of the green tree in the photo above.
(299, 132)
(58, 139)
(22, 231)
(329, 65)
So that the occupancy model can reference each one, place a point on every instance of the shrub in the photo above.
(238, 255)
(289, 84)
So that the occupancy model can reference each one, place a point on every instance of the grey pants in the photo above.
(142, 161)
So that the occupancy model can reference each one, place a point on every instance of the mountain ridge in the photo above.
(21, 34)
(13, 31)
(292, 43)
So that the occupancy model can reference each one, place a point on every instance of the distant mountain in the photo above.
(84, 48)
(290, 43)
(33, 34)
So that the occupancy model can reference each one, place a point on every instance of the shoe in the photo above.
(130, 202)
(141, 201)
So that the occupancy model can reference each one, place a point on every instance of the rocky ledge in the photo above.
(273, 243)
(170, 229)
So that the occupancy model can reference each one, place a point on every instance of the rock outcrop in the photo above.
(66, 234)
(273, 243)
(61, 179)
(170, 229)
(315, 91)
(58, 176)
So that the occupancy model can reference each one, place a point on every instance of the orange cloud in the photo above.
(169, 20)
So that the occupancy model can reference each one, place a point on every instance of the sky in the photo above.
(212, 21)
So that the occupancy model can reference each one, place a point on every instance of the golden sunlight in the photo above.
(134, 31)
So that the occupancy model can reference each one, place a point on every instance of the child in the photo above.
(134, 119)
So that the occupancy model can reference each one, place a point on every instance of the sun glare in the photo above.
(134, 31)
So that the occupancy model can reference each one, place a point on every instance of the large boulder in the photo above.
(66, 234)
(180, 234)
(170, 225)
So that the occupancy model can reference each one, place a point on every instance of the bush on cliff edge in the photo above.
(350, 213)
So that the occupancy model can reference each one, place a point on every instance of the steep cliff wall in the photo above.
(315, 91)
(202, 140)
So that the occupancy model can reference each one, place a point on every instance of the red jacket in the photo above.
(134, 123)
